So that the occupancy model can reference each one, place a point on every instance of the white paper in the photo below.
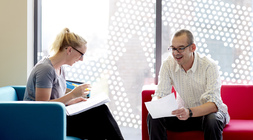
(162, 107)
(92, 102)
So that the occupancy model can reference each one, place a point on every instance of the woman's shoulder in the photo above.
(44, 65)
(44, 62)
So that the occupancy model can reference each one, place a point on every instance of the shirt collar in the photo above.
(194, 65)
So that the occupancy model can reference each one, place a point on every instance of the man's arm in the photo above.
(164, 85)
(202, 110)
(155, 98)
(210, 99)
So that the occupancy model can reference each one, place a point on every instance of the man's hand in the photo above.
(155, 98)
(182, 113)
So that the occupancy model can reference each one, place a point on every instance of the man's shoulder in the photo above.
(203, 59)
(169, 60)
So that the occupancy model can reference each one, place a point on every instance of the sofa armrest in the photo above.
(8, 93)
(32, 120)
(146, 96)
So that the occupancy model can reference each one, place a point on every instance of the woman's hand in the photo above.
(76, 100)
(80, 91)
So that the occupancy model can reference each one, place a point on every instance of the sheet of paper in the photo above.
(86, 105)
(162, 107)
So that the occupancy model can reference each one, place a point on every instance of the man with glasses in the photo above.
(197, 83)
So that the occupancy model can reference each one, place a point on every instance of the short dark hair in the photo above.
(188, 34)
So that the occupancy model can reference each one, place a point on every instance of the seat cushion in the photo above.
(235, 130)
(189, 135)
(239, 129)
(20, 91)
(72, 138)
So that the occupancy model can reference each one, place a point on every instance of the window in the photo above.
(121, 45)
(222, 30)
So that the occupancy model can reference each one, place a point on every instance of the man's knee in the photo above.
(150, 121)
(214, 121)
(153, 123)
(149, 117)
(213, 126)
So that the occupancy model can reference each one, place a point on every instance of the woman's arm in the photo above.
(43, 94)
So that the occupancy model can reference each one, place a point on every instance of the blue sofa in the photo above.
(21, 120)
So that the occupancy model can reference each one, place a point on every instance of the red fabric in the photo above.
(146, 96)
(189, 135)
(238, 98)
(239, 130)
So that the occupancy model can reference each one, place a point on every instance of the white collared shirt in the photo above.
(199, 85)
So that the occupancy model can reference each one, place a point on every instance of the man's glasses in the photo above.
(180, 49)
(78, 51)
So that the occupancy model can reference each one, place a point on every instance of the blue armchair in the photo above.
(30, 120)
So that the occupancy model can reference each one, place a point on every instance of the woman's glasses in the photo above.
(78, 51)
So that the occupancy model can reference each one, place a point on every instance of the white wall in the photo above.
(13, 39)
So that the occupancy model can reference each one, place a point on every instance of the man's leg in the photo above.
(157, 127)
(213, 125)
(156, 130)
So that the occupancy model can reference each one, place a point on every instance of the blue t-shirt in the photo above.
(43, 75)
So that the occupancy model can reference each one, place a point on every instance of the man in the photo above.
(197, 82)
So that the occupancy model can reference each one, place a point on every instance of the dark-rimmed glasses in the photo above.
(78, 51)
(180, 49)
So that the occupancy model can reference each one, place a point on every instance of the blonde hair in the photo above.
(66, 38)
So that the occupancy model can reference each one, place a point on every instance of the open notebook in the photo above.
(91, 102)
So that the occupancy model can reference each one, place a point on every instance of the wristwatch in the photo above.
(190, 112)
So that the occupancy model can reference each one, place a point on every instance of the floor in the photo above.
(131, 133)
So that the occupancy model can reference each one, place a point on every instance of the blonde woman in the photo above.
(47, 83)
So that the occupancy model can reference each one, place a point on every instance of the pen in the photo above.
(77, 85)
(85, 89)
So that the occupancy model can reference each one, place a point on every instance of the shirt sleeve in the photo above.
(164, 85)
(44, 76)
(213, 86)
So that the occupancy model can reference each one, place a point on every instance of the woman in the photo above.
(47, 83)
